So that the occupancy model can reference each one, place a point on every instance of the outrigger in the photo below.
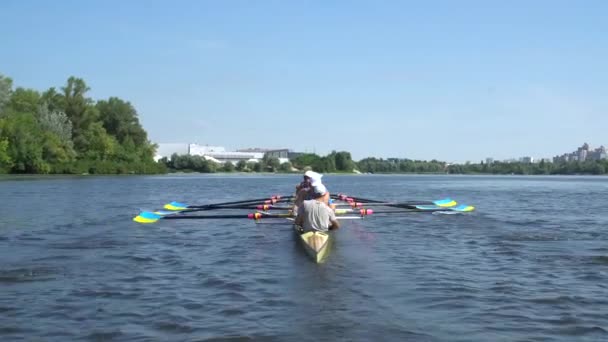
(315, 243)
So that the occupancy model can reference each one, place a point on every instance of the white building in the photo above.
(167, 150)
(217, 154)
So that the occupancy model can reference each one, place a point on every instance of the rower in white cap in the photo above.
(304, 190)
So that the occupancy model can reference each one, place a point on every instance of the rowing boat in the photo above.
(315, 243)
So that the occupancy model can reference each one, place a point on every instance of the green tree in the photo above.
(344, 161)
(306, 160)
(55, 150)
(24, 100)
(241, 165)
(25, 143)
(120, 119)
(56, 122)
(54, 100)
(228, 167)
(6, 89)
(6, 162)
(80, 111)
(271, 164)
(97, 144)
(285, 167)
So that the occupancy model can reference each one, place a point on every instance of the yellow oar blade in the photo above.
(146, 217)
(176, 206)
(445, 203)
(464, 208)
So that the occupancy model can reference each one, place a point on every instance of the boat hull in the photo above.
(315, 243)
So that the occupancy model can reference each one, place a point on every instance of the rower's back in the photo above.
(316, 215)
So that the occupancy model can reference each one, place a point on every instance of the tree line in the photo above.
(588, 167)
(342, 162)
(333, 162)
(65, 131)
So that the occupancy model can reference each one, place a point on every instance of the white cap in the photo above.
(314, 176)
(319, 189)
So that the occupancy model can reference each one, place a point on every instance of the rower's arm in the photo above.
(333, 221)
(299, 219)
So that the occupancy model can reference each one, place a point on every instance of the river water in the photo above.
(531, 264)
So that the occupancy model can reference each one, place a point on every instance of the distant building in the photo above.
(219, 154)
(292, 155)
(216, 154)
(582, 155)
(254, 149)
(280, 153)
(597, 154)
(200, 150)
(489, 160)
(527, 160)
(167, 150)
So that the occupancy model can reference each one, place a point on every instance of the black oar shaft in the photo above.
(246, 216)
(252, 201)
(376, 202)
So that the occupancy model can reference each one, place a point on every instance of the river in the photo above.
(531, 263)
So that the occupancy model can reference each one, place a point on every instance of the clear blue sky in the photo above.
(451, 80)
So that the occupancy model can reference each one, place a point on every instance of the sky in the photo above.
(447, 80)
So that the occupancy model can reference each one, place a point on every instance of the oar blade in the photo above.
(463, 208)
(343, 211)
(428, 207)
(175, 206)
(146, 217)
(445, 203)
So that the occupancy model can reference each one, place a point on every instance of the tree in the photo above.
(6, 86)
(241, 165)
(79, 110)
(53, 99)
(24, 100)
(344, 161)
(56, 122)
(119, 118)
(25, 144)
(6, 162)
(285, 167)
(272, 164)
(98, 145)
(304, 160)
(228, 167)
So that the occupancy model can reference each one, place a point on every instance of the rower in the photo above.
(315, 214)
(309, 178)
(304, 189)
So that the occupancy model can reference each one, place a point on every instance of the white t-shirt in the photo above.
(316, 215)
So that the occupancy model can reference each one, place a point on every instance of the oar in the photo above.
(414, 209)
(444, 203)
(462, 208)
(151, 217)
(254, 216)
(178, 206)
